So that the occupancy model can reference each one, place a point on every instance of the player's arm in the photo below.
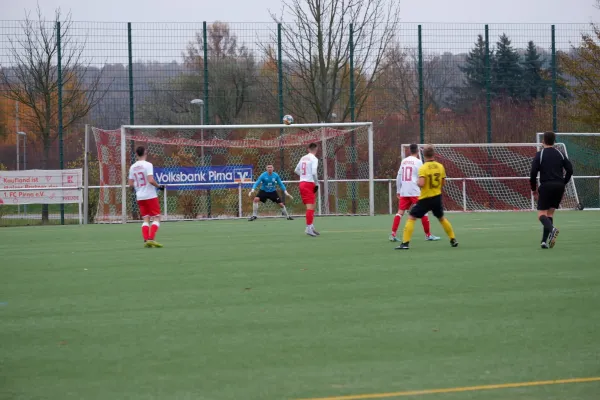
(315, 169)
(282, 186)
(568, 169)
(298, 170)
(535, 167)
(130, 177)
(256, 185)
(152, 181)
(442, 176)
(150, 177)
(399, 182)
(421, 180)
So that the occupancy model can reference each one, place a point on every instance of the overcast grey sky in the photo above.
(547, 11)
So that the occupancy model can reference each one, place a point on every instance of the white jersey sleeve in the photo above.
(307, 168)
(139, 173)
(408, 176)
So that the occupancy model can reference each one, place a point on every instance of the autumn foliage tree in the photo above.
(30, 77)
(584, 68)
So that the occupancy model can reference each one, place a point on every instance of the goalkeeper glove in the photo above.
(251, 193)
(289, 195)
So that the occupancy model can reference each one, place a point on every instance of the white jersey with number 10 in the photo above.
(139, 173)
(307, 168)
(408, 176)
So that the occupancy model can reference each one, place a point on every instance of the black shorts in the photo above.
(550, 195)
(423, 206)
(273, 196)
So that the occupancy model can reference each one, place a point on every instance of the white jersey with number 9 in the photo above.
(408, 176)
(307, 168)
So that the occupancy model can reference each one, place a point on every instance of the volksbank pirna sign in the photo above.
(220, 177)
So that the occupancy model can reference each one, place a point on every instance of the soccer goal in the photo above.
(584, 153)
(208, 170)
(491, 177)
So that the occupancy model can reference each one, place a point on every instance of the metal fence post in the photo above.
(488, 84)
(131, 106)
(130, 61)
(353, 185)
(554, 73)
(280, 88)
(205, 54)
(206, 102)
(421, 105)
(60, 110)
(86, 175)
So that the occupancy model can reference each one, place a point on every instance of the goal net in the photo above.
(584, 153)
(491, 177)
(208, 170)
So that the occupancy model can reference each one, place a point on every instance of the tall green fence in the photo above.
(448, 83)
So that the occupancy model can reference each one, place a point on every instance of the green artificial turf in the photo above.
(239, 310)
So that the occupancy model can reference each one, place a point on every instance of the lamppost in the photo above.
(19, 134)
(201, 104)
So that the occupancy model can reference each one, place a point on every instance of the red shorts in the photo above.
(307, 192)
(405, 203)
(149, 207)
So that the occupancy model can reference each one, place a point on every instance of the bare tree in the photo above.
(232, 70)
(31, 78)
(317, 51)
(402, 79)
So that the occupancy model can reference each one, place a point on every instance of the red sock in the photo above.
(310, 217)
(425, 222)
(153, 230)
(396, 224)
(145, 231)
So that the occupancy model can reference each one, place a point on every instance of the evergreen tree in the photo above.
(507, 71)
(535, 82)
(474, 69)
(474, 81)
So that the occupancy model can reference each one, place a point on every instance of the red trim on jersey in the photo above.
(149, 207)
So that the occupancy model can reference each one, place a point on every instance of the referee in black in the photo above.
(550, 163)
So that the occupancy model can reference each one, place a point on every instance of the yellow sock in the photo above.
(408, 230)
(448, 228)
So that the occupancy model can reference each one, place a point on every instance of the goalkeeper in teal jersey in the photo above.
(268, 191)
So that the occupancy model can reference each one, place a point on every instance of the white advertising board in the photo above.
(42, 181)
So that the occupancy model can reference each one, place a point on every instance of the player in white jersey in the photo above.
(141, 179)
(309, 184)
(408, 192)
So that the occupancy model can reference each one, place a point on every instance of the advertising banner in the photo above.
(219, 177)
(43, 181)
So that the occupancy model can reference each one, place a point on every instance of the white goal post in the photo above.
(206, 167)
(493, 177)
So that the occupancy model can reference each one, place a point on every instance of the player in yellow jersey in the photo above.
(432, 176)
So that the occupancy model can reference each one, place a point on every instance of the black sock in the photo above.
(547, 223)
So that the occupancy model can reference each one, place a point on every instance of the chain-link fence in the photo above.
(444, 83)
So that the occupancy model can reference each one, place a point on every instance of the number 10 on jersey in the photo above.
(407, 173)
